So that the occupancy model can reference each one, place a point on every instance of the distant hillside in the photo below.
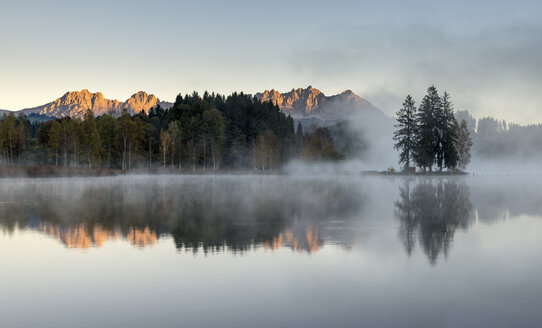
(76, 103)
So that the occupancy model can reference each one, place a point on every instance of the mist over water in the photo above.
(322, 250)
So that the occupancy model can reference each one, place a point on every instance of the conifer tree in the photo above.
(213, 124)
(427, 132)
(106, 129)
(91, 138)
(405, 134)
(55, 134)
(174, 136)
(448, 135)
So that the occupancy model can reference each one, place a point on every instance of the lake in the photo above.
(271, 251)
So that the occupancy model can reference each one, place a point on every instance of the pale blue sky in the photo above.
(485, 53)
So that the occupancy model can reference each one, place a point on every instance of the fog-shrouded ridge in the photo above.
(361, 132)
(501, 147)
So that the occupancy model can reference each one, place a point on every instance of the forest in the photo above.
(208, 132)
(497, 139)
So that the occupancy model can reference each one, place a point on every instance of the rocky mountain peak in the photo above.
(141, 101)
(296, 101)
(312, 102)
(76, 103)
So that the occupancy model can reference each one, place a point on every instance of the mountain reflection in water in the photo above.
(240, 213)
(211, 214)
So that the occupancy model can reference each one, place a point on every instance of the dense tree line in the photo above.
(206, 132)
(430, 135)
(494, 138)
(13, 139)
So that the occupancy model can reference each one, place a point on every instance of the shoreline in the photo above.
(417, 174)
(68, 171)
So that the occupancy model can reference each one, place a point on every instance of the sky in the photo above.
(486, 54)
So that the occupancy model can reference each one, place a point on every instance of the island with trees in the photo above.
(429, 135)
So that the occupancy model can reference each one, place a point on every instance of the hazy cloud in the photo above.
(489, 71)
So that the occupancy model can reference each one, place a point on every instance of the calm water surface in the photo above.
(271, 251)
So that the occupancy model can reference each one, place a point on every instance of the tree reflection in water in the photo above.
(430, 212)
(212, 214)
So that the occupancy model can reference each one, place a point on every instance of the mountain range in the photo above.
(76, 103)
(306, 105)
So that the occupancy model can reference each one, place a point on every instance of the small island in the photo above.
(430, 136)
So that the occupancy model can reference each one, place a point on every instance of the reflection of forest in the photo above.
(206, 214)
(430, 212)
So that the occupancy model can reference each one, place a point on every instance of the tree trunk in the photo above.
(150, 155)
(204, 152)
(213, 152)
(172, 156)
(193, 157)
(180, 167)
(124, 153)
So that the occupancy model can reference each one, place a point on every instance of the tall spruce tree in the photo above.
(448, 135)
(55, 140)
(427, 136)
(405, 133)
(91, 138)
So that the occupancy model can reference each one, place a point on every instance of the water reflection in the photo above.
(199, 213)
(430, 212)
(83, 237)
(240, 213)
(357, 274)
